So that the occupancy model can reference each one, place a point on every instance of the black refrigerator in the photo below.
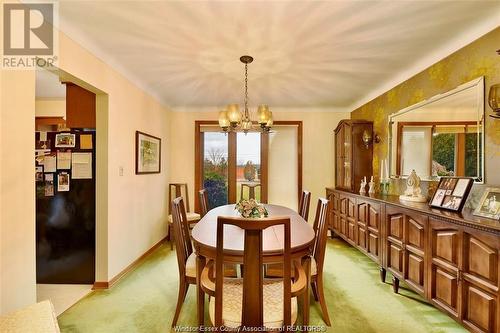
(65, 207)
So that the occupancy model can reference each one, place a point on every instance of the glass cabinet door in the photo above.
(347, 156)
(340, 157)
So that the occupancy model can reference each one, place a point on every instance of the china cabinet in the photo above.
(353, 155)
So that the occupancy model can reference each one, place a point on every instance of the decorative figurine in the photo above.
(413, 191)
(362, 189)
(371, 189)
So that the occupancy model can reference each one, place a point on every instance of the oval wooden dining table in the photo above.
(204, 240)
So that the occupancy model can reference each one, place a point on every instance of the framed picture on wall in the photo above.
(451, 193)
(489, 205)
(147, 153)
(39, 173)
(65, 140)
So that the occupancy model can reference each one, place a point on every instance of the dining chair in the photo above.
(179, 190)
(275, 270)
(318, 257)
(203, 195)
(229, 270)
(186, 259)
(305, 201)
(251, 190)
(253, 301)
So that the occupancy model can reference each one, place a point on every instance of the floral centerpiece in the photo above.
(251, 209)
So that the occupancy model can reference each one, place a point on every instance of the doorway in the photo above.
(65, 181)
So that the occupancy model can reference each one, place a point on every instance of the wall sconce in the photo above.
(494, 100)
(368, 138)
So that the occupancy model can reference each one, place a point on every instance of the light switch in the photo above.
(120, 171)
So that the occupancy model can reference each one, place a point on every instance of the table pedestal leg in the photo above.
(200, 299)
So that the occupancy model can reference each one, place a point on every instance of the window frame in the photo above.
(198, 165)
(459, 143)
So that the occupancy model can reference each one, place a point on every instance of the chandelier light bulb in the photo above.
(263, 114)
(234, 114)
(224, 120)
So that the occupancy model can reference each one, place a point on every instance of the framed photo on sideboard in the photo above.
(489, 205)
(451, 193)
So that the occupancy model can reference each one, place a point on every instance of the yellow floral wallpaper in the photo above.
(476, 59)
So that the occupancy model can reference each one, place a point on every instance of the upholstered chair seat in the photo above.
(191, 266)
(314, 267)
(232, 303)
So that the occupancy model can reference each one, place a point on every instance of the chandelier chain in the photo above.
(232, 119)
(246, 92)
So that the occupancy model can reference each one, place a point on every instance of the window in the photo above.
(215, 167)
(224, 162)
(451, 148)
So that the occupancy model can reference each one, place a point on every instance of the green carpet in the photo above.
(144, 301)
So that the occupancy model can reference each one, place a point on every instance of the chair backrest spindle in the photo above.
(321, 229)
(183, 244)
(305, 201)
(203, 195)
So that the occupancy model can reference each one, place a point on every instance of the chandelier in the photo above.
(232, 119)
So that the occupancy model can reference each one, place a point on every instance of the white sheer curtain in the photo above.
(283, 170)
(416, 150)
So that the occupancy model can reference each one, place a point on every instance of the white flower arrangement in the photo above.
(251, 209)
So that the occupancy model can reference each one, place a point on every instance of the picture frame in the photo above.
(489, 205)
(147, 153)
(451, 193)
(63, 180)
(65, 140)
(39, 173)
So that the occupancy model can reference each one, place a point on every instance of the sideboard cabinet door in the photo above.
(351, 220)
(369, 228)
(446, 257)
(480, 282)
(334, 207)
(361, 224)
(395, 241)
(414, 254)
(405, 247)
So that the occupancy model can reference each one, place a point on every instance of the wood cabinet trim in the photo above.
(465, 219)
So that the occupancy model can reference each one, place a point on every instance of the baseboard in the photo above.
(100, 285)
(128, 269)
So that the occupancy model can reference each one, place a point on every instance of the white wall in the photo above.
(137, 204)
(50, 107)
(318, 144)
(17, 190)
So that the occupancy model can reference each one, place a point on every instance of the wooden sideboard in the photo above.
(451, 259)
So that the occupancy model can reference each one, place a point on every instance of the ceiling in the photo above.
(337, 54)
(48, 85)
